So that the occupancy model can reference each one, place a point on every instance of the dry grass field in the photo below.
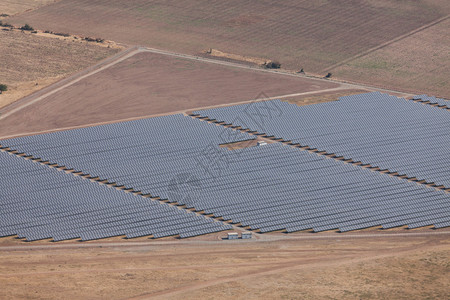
(313, 35)
(29, 62)
(415, 267)
(393, 63)
(12, 7)
(151, 84)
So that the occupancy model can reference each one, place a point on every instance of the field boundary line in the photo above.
(172, 113)
(63, 83)
(383, 45)
(343, 83)
(127, 53)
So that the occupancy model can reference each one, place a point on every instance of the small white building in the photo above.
(262, 143)
(246, 235)
(233, 236)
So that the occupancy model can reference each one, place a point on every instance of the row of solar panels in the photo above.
(304, 191)
(377, 129)
(38, 202)
(277, 187)
(178, 158)
(432, 100)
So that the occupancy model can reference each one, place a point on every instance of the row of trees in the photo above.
(24, 27)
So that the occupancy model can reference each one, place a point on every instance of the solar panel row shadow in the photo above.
(267, 188)
(38, 202)
(374, 128)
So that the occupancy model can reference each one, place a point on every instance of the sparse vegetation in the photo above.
(21, 57)
(6, 24)
(61, 34)
(273, 65)
(98, 40)
(27, 27)
(4, 15)
(3, 88)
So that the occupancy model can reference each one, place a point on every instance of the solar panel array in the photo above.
(143, 155)
(377, 129)
(276, 187)
(178, 158)
(38, 202)
(433, 100)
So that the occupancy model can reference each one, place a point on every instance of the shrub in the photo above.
(27, 27)
(3, 88)
(328, 75)
(61, 34)
(6, 25)
(273, 65)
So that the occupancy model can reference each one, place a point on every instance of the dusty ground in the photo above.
(150, 84)
(323, 97)
(413, 267)
(313, 35)
(429, 74)
(29, 62)
(12, 7)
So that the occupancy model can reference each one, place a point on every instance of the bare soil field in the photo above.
(322, 97)
(430, 74)
(12, 7)
(407, 267)
(151, 84)
(313, 35)
(29, 62)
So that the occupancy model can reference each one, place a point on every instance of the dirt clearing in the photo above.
(364, 268)
(150, 84)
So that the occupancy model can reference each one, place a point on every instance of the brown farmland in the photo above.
(150, 84)
(313, 35)
(29, 62)
(399, 267)
(430, 74)
(12, 7)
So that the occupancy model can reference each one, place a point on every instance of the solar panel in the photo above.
(269, 188)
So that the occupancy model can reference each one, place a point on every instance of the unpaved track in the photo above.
(286, 266)
(267, 270)
(260, 238)
(34, 98)
(173, 112)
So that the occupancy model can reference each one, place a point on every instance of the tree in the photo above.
(273, 65)
(328, 75)
(3, 88)
(27, 27)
